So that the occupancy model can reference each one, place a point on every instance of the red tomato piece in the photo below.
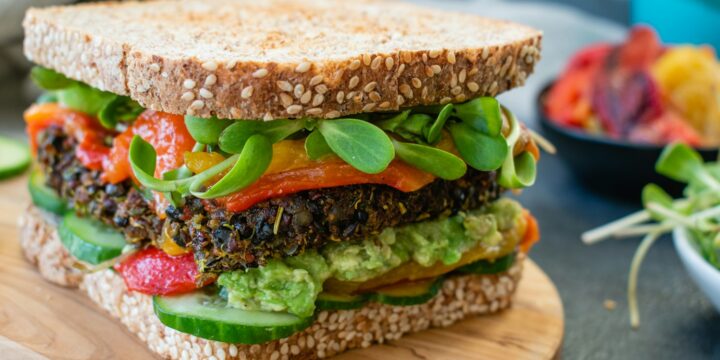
(153, 272)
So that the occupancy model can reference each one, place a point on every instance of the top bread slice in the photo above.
(248, 59)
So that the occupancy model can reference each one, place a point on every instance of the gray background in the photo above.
(677, 321)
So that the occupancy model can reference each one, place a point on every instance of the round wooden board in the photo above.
(39, 319)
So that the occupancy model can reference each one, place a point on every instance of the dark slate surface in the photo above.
(677, 321)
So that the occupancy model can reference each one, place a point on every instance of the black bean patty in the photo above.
(273, 228)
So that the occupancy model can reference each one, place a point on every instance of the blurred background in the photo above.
(678, 320)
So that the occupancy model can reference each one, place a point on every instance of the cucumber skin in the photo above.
(83, 250)
(229, 333)
(410, 300)
(22, 163)
(328, 303)
(45, 197)
(485, 267)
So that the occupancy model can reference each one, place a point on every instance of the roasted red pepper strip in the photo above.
(326, 174)
(532, 232)
(153, 272)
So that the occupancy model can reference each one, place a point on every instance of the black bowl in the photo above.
(612, 167)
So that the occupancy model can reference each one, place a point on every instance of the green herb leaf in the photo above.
(518, 171)
(250, 165)
(653, 193)
(121, 109)
(48, 79)
(47, 97)
(483, 114)
(316, 147)
(359, 143)
(480, 151)
(233, 138)
(394, 122)
(433, 134)
(142, 157)
(679, 162)
(433, 160)
(83, 98)
(206, 131)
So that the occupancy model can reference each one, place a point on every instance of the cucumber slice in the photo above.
(409, 293)
(43, 196)
(495, 266)
(90, 240)
(15, 157)
(327, 301)
(205, 314)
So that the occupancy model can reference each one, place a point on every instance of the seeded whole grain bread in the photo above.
(332, 333)
(248, 59)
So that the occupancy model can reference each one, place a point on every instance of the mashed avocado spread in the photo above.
(292, 284)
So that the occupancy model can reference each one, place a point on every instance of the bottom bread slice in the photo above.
(332, 333)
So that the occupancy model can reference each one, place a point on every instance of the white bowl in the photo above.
(705, 275)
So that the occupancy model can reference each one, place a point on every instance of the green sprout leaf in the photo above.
(652, 193)
(394, 122)
(433, 160)
(48, 79)
(359, 143)
(121, 109)
(206, 131)
(433, 134)
(249, 166)
(679, 162)
(142, 157)
(483, 114)
(83, 98)
(233, 138)
(316, 147)
(518, 171)
(480, 151)
(47, 97)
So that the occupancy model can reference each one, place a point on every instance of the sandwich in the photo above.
(278, 179)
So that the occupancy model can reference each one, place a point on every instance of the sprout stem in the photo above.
(602, 232)
(637, 260)
(542, 142)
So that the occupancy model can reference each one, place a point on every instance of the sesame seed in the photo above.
(275, 355)
(451, 57)
(189, 84)
(306, 97)
(384, 105)
(210, 80)
(445, 100)
(286, 99)
(284, 85)
(460, 98)
(197, 105)
(473, 71)
(416, 82)
(313, 111)
(473, 86)
(321, 89)
(295, 350)
(407, 57)
(340, 97)
(485, 53)
(429, 72)
(456, 90)
(235, 112)
(210, 66)
(376, 63)
(436, 69)
(318, 99)
(330, 115)
(406, 90)
(374, 96)
(268, 117)
(529, 59)
(389, 63)
(366, 59)
(316, 80)
(154, 67)
(293, 109)
(302, 67)
(462, 76)
(453, 80)
(370, 86)
(206, 93)
(353, 82)
(260, 73)
(434, 53)
(400, 100)
(187, 96)
(233, 350)
(231, 64)
(246, 92)
(299, 90)
(424, 93)
(493, 87)
(400, 70)
(164, 74)
(367, 108)
(354, 65)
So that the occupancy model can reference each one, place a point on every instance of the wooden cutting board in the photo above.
(41, 320)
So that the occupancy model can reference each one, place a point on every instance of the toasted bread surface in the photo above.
(247, 59)
(332, 333)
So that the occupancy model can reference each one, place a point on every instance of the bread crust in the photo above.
(281, 58)
(332, 333)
